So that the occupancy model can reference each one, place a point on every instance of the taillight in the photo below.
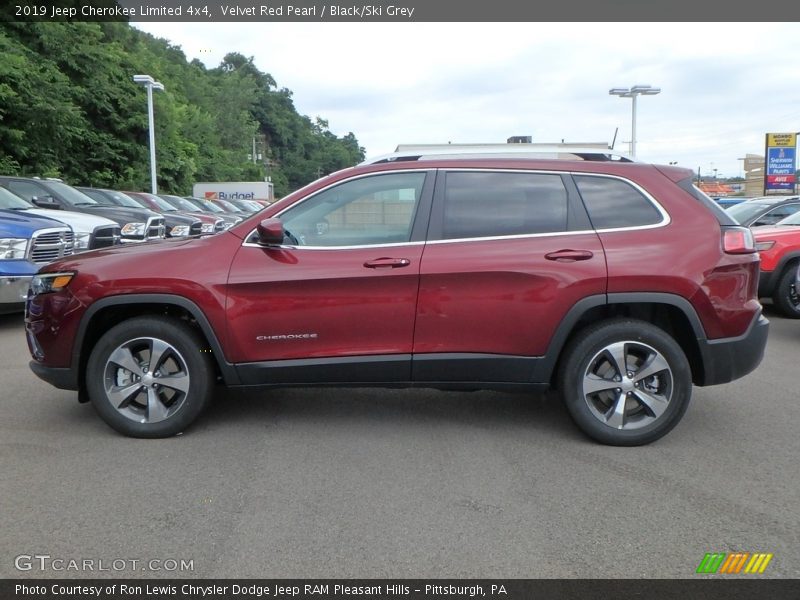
(738, 240)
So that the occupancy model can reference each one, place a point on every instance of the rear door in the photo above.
(509, 253)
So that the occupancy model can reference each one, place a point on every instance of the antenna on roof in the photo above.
(614, 141)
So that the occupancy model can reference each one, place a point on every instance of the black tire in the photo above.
(633, 410)
(143, 402)
(787, 297)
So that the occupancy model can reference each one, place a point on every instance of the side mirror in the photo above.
(270, 232)
(45, 202)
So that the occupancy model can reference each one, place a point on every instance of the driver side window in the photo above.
(377, 209)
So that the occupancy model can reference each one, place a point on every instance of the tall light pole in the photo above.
(151, 85)
(632, 93)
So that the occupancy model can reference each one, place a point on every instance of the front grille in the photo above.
(50, 244)
(156, 229)
(196, 228)
(104, 237)
(219, 226)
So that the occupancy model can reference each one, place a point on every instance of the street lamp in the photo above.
(151, 85)
(632, 93)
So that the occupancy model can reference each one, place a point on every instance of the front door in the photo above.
(336, 301)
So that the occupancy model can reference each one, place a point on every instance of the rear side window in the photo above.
(614, 203)
(501, 204)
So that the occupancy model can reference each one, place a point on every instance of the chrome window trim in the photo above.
(665, 217)
(290, 247)
(246, 244)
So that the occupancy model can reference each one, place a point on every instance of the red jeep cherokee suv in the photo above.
(617, 282)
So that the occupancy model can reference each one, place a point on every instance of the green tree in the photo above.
(69, 107)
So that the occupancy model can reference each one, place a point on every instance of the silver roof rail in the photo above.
(542, 152)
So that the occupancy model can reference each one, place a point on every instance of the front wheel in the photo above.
(148, 377)
(625, 382)
(786, 297)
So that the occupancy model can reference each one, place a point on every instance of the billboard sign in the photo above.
(781, 163)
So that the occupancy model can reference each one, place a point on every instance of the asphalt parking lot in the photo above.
(406, 483)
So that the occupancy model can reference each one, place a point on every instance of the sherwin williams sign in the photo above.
(781, 162)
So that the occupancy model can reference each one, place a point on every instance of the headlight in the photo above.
(133, 229)
(207, 228)
(179, 230)
(82, 240)
(226, 225)
(765, 245)
(11, 248)
(46, 283)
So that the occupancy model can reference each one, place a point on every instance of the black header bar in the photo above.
(704, 587)
(244, 11)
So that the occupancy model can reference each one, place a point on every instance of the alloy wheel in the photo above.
(627, 385)
(146, 380)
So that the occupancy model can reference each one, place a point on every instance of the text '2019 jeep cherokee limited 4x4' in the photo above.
(617, 282)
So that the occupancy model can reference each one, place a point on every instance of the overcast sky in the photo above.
(723, 85)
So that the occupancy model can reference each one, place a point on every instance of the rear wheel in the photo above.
(625, 382)
(786, 297)
(147, 377)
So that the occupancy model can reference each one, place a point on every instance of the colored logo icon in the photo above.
(734, 563)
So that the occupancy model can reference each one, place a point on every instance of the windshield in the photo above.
(124, 200)
(790, 220)
(229, 206)
(160, 202)
(70, 194)
(210, 206)
(252, 204)
(183, 204)
(745, 210)
(10, 201)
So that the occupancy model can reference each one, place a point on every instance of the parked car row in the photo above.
(45, 219)
(775, 221)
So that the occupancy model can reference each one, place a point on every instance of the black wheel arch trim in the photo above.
(661, 298)
(228, 370)
(545, 368)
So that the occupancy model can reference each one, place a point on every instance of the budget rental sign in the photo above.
(781, 162)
